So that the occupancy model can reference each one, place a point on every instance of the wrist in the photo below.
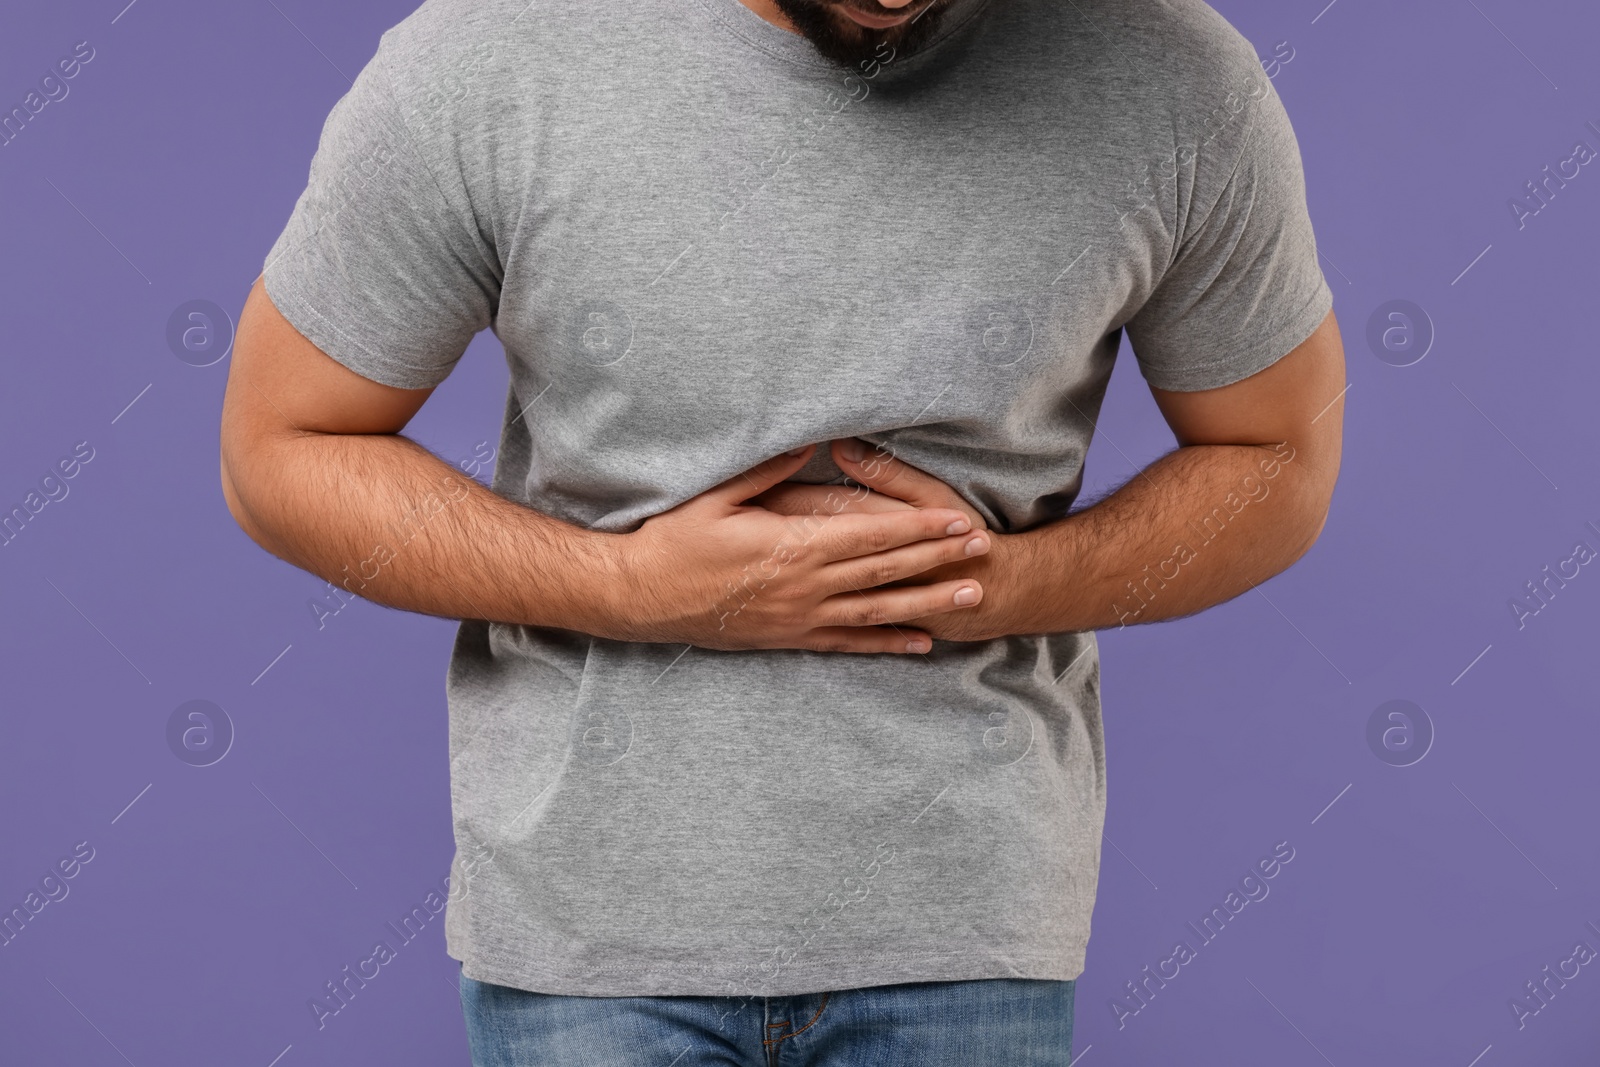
(597, 591)
(1004, 609)
(1021, 585)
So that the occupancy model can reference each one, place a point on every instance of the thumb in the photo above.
(877, 468)
(760, 478)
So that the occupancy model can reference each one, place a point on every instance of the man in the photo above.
(763, 751)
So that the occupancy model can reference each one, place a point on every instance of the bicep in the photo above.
(280, 383)
(282, 386)
(1298, 399)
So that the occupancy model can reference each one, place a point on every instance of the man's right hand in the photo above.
(720, 573)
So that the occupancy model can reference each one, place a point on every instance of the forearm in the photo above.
(1197, 527)
(380, 517)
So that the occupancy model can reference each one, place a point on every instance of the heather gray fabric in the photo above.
(702, 245)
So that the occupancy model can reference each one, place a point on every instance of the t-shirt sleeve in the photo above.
(1244, 287)
(381, 266)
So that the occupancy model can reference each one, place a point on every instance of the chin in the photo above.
(841, 39)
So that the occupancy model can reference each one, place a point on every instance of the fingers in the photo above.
(877, 468)
(800, 498)
(867, 639)
(761, 477)
(866, 572)
(846, 536)
(885, 607)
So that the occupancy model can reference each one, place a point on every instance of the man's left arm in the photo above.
(1239, 346)
(1242, 498)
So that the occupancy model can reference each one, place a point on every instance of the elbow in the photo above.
(231, 496)
(1313, 526)
(1316, 490)
(1311, 539)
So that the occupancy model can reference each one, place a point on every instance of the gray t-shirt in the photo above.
(702, 245)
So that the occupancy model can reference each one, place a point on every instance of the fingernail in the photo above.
(796, 451)
(966, 595)
(977, 545)
(853, 449)
(960, 526)
(918, 644)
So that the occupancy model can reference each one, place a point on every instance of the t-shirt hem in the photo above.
(1236, 367)
(815, 976)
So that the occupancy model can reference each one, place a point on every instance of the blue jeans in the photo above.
(991, 1022)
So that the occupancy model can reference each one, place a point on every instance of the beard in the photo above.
(838, 38)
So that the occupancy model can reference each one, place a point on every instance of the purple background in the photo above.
(221, 898)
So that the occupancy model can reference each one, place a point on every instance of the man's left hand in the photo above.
(895, 484)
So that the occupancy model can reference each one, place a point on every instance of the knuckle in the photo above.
(876, 537)
(868, 613)
(876, 573)
(821, 546)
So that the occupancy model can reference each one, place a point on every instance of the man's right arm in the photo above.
(315, 470)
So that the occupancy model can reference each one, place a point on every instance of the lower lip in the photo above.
(873, 22)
